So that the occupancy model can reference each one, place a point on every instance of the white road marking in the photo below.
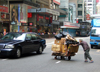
(98, 51)
(4, 59)
(58, 62)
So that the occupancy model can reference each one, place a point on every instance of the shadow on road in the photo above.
(24, 56)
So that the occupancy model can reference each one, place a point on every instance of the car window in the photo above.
(38, 37)
(34, 37)
(28, 36)
(14, 36)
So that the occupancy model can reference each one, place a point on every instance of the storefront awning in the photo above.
(55, 22)
(62, 12)
(69, 27)
(44, 10)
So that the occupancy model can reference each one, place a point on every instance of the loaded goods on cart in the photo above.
(63, 46)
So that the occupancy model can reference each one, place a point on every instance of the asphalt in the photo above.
(46, 63)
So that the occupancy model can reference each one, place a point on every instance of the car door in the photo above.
(36, 42)
(28, 43)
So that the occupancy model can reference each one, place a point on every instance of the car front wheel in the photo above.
(40, 50)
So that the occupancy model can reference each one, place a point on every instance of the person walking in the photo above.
(86, 49)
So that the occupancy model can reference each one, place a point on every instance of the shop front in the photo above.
(44, 21)
(44, 25)
(4, 20)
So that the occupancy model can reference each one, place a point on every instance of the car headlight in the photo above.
(92, 40)
(9, 46)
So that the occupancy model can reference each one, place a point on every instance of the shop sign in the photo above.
(52, 12)
(24, 24)
(18, 12)
(13, 23)
(56, 22)
(4, 17)
(88, 17)
(18, 23)
(69, 24)
(29, 15)
(57, 1)
(30, 24)
(3, 9)
(47, 18)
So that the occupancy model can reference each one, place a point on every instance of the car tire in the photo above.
(92, 46)
(40, 50)
(69, 57)
(18, 53)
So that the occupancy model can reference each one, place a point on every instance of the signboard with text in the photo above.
(3, 9)
(57, 1)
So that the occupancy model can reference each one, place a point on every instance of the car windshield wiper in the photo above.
(96, 35)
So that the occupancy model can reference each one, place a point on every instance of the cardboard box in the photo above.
(69, 37)
(58, 42)
(64, 49)
(56, 48)
(63, 41)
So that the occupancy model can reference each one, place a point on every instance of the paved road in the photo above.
(46, 63)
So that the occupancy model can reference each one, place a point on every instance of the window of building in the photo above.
(28, 0)
(79, 20)
(79, 5)
(89, 0)
(79, 13)
(89, 4)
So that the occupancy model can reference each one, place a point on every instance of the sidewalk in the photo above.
(48, 40)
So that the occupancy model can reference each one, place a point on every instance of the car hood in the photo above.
(10, 41)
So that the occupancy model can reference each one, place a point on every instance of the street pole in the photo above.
(36, 18)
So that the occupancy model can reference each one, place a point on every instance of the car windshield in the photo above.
(14, 36)
(95, 32)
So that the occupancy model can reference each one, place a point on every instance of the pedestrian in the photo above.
(86, 49)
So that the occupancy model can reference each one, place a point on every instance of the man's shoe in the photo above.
(85, 61)
(91, 61)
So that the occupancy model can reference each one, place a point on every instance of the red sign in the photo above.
(30, 24)
(47, 18)
(29, 7)
(41, 17)
(97, 1)
(3, 15)
(88, 17)
(57, 1)
(50, 19)
(29, 15)
(3, 9)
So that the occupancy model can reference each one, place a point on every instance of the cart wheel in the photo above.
(69, 57)
(55, 57)
(62, 58)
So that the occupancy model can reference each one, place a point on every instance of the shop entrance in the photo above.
(6, 26)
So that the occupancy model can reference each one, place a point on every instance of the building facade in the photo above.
(64, 6)
(4, 17)
(80, 10)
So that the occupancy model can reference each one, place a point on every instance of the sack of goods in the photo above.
(64, 44)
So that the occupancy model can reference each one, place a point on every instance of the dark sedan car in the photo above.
(16, 44)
